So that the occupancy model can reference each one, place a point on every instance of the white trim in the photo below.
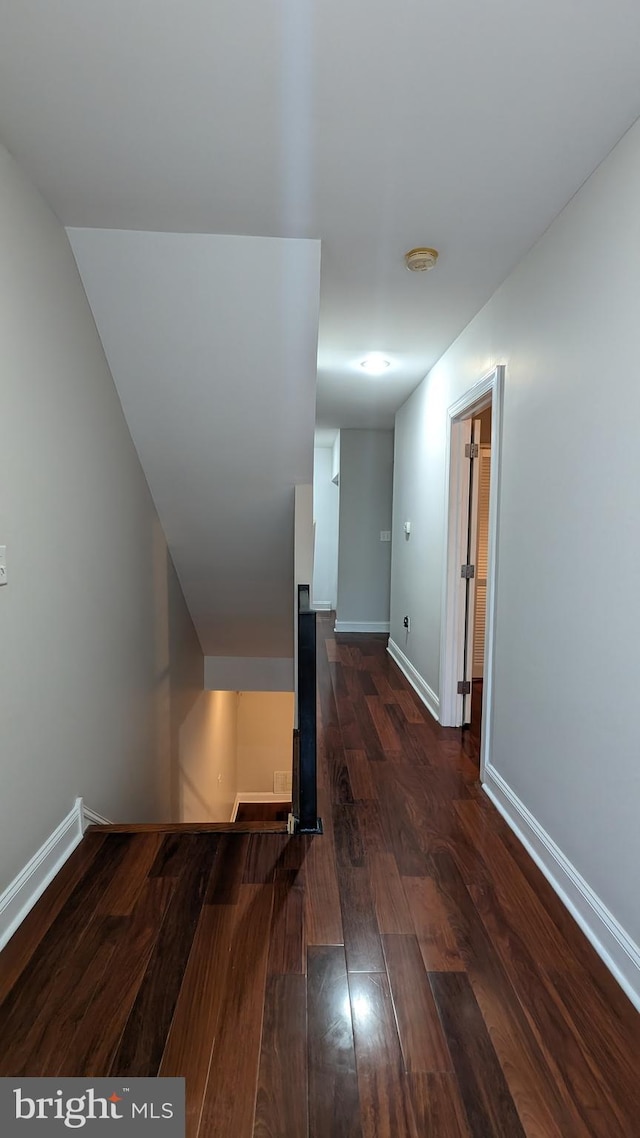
(323, 606)
(612, 943)
(488, 390)
(475, 398)
(90, 818)
(456, 516)
(420, 685)
(254, 796)
(21, 895)
(361, 626)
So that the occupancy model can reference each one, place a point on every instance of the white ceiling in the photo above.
(212, 345)
(374, 125)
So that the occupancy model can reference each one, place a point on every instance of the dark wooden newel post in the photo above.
(306, 808)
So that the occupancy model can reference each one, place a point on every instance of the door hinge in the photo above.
(464, 687)
(467, 571)
(471, 450)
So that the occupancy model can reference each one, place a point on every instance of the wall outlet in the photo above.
(385, 535)
(407, 623)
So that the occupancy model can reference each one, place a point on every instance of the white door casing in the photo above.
(481, 557)
(488, 390)
(469, 584)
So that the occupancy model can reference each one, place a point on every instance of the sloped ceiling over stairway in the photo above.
(212, 344)
(374, 125)
(371, 125)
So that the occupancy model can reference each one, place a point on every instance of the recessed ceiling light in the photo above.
(375, 363)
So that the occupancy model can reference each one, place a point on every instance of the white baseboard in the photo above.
(361, 626)
(420, 685)
(21, 895)
(612, 943)
(91, 818)
(254, 796)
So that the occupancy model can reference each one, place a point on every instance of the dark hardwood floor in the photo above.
(263, 811)
(475, 727)
(408, 974)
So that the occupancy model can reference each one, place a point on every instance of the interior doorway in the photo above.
(478, 553)
(469, 593)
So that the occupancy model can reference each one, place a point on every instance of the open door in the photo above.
(483, 480)
(468, 570)
(468, 609)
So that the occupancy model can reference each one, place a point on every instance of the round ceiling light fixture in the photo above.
(420, 260)
(375, 363)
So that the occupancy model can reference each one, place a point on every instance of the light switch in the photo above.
(385, 535)
(3, 564)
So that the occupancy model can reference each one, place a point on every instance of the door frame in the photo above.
(488, 390)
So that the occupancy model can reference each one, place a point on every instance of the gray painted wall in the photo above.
(565, 323)
(326, 500)
(216, 371)
(101, 664)
(364, 562)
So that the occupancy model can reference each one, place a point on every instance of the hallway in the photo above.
(411, 973)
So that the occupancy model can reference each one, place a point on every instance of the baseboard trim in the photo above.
(420, 685)
(90, 818)
(361, 626)
(612, 943)
(27, 887)
(254, 796)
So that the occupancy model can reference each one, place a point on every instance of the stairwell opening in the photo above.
(236, 750)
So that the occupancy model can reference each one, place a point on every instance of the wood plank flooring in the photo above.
(263, 811)
(410, 974)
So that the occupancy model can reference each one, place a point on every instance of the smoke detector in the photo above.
(420, 260)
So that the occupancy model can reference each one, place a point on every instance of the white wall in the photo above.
(326, 500)
(566, 325)
(265, 738)
(231, 743)
(303, 538)
(248, 673)
(364, 562)
(101, 664)
(209, 758)
(216, 369)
